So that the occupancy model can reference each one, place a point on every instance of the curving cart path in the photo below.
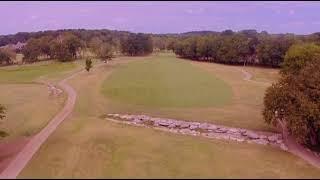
(25, 155)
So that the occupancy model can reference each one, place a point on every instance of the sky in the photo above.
(161, 17)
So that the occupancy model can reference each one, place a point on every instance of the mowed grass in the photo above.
(187, 90)
(86, 146)
(166, 82)
(28, 73)
(28, 105)
(29, 108)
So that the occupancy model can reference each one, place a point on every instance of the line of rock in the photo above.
(53, 90)
(208, 130)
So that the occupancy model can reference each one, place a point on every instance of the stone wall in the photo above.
(208, 130)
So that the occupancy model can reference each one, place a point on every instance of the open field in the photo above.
(23, 74)
(87, 146)
(29, 106)
(223, 96)
(166, 82)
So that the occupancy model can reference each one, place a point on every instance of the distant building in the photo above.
(15, 47)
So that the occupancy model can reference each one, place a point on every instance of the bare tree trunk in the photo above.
(283, 125)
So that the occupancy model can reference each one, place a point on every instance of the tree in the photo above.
(31, 51)
(137, 44)
(65, 47)
(88, 64)
(293, 102)
(44, 44)
(271, 50)
(105, 52)
(102, 50)
(298, 55)
(7, 56)
(2, 111)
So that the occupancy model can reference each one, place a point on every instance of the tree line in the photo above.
(68, 45)
(244, 47)
(228, 47)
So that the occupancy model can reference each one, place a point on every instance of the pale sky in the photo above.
(161, 17)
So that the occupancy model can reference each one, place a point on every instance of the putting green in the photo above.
(165, 81)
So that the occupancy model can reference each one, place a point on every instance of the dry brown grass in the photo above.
(29, 108)
(86, 146)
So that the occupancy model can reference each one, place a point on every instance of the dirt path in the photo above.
(25, 155)
(302, 152)
(248, 77)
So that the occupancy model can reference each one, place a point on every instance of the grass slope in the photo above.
(86, 146)
(166, 82)
(240, 105)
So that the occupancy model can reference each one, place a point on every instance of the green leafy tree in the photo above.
(136, 45)
(7, 56)
(88, 64)
(32, 50)
(293, 103)
(102, 50)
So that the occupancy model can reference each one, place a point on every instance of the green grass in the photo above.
(24, 74)
(86, 146)
(166, 82)
(29, 108)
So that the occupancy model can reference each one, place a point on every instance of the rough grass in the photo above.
(28, 73)
(29, 108)
(28, 105)
(166, 82)
(86, 146)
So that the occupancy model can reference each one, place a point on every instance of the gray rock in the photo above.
(279, 141)
(203, 126)
(242, 131)
(237, 138)
(116, 115)
(184, 125)
(221, 130)
(224, 130)
(211, 134)
(284, 147)
(195, 123)
(163, 123)
(137, 121)
(260, 141)
(212, 127)
(173, 125)
(192, 127)
(251, 135)
(263, 137)
(233, 130)
(144, 117)
(272, 138)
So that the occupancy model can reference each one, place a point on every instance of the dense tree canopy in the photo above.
(63, 47)
(102, 50)
(294, 101)
(244, 47)
(230, 47)
(137, 44)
